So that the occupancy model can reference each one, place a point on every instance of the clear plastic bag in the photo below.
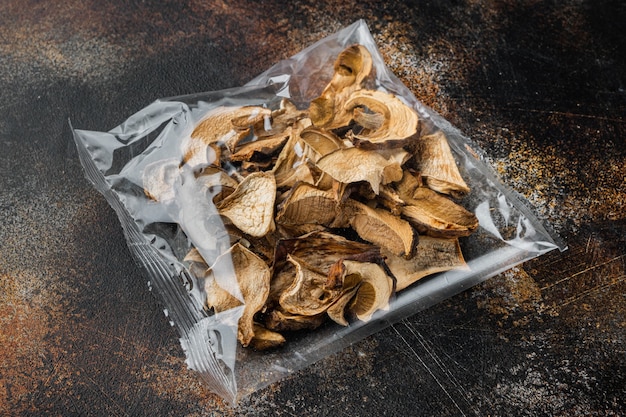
(161, 232)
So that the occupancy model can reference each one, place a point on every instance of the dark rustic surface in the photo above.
(540, 86)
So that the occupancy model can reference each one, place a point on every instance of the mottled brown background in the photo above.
(539, 85)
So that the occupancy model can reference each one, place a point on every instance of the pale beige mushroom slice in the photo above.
(251, 206)
(216, 128)
(395, 123)
(290, 166)
(308, 294)
(352, 67)
(438, 216)
(433, 255)
(320, 141)
(353, 164)
(382, 228)
(374, 290)
(307, 204)
(438, 167)
(252, 277)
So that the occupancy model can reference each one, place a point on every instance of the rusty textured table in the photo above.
(540, 86)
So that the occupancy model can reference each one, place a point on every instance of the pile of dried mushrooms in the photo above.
(329, 210)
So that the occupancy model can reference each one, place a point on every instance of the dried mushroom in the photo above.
(251, 206)
(323, 207)
(437, 166)
(435, 255)
(252, 276)
(353, 165)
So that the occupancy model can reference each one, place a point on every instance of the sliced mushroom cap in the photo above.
(260, 149)
(393, 125)
(265, 339)
(438, 167)
(290, 165)
(438, 216)
(216, 128)
(433, 255)
(374, 291)
(251, 206)
(252, 276)
(280, 321)
(321, 250)
(353, 164)
(337, 311)
(352, 67)
(320, 141)
(306, 204)
(382, 228)
(307, 295)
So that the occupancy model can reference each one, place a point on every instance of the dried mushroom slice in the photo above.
(265, 339)
(320, 141)
(352, 67)
(307, 204)
(252, 276)
(281, 321)
(353, 164)
(251, 206)
(217, 128)
(382, 228)
(393, 124)
(290, 166)
(337, 311)
(374, 290)
(260, 149)
(438, 167)
(438, 216)
(321, 250)
(308, 294)
(434, 255)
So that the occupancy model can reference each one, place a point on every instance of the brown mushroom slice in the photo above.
(307, 295)
(337, 311)
(398, 122)
(265, 339)
(321, 250)
(353, 164)
(352, 67)
(260, 149)
(307, 204)
(216, 128)
(321, 141)
(290, 165)
(252, 277)
(374, 290)
(251, 206)
(281, 321)
(438, 167)
(407, 185)
(438, 216)
(433, 255)
(382, 228)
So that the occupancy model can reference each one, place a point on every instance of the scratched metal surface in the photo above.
(540, 86)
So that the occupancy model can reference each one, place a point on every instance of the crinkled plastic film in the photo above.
(160, 234)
